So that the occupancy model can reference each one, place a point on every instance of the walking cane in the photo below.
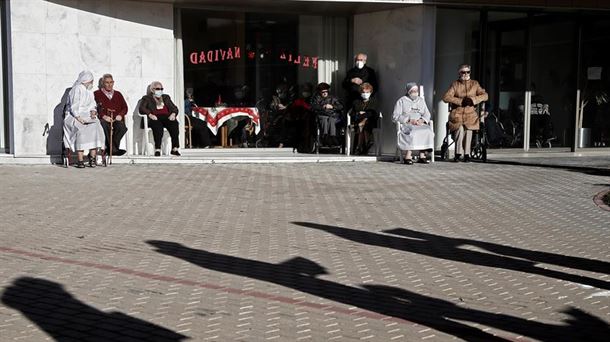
(111, 142)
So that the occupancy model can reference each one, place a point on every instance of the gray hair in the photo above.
(100, 83)
(363, 54)
(154, 84)
(462, 66)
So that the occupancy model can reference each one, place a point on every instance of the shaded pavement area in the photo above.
(346, 252)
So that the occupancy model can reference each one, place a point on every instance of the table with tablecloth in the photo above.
(215, 117)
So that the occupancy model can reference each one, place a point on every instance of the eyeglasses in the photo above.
(158, 88)
(464, 72)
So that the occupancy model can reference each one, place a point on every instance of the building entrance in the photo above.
(546, 77)
(251, 76)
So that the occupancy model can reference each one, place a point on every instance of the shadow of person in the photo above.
(542, 257)
(65, 318)
(302, 274)
(448, 249)
(55, 134)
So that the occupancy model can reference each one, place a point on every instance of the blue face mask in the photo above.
(158, 93)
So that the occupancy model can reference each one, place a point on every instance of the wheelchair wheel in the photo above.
(478, 152)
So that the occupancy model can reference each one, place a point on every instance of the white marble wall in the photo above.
(52, 41)
(398, 48)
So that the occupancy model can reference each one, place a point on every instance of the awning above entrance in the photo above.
(363, 6)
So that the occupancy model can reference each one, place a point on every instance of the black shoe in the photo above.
(176, 153)
(423, 161)
(120, 152)
(80, 164)
(466, 158)
(456, 159)
(157, 154)
(92, 161)
(407, 161)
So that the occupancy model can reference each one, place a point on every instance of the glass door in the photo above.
(552, 80)
(505, 76)
(593, 119)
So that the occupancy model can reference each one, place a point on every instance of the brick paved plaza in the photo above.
(313, 252)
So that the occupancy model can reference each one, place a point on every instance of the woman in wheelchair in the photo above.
(364, 116)
(462, 96)
(414, 117)
(328, 110)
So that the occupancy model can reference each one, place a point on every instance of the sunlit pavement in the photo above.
(351, 251)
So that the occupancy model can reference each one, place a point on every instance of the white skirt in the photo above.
(413, 138)
(79, 137)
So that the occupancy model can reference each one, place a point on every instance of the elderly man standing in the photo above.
(463, 95)
(112, 109)
(356, 76)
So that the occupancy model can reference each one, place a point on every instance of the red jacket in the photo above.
(117, 103)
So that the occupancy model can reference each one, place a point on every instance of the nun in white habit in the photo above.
(415, 131)
(82, 128)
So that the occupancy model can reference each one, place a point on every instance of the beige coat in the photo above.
(466, 116)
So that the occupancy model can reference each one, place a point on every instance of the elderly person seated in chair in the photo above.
(364, 114)
(328, 109)
(82, 129)
(161, 113)
(112, 110)
(415, 131)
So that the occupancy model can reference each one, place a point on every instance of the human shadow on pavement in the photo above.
(65, 318)
(589, 170)
(303, 275)
(449, 249)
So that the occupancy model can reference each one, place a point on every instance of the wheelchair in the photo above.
(479, 139)
(327, 143)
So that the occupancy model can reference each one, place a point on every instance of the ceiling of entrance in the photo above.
(363, 6)
(297, 6)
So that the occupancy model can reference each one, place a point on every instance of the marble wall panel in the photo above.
(61, 18)
(54, 41)
(126, 56)
(28, 16)
(63, 54)
(158, 58)
(28, 53)
(94, 18)
(95, 53)
(393, 42)
(29, 108)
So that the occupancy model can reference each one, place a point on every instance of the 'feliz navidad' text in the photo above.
(219, 55)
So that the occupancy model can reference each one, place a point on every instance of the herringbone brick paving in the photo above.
(372, 251)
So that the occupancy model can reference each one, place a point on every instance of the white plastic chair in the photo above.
(148, 148)
(399, 153)
(377, 134)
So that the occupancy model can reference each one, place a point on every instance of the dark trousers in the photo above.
(118, 131)
(200, 133)
(157, 128)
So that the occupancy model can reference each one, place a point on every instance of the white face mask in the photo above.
(158, 93)
(89, 86)
(360, 64)
(413, 95)
(365, 96)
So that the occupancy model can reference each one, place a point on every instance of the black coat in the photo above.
(370, 110)
(148, 105)
(366, 74)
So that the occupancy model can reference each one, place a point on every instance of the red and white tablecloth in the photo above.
(216, 116)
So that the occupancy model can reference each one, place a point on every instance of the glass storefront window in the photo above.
(595, 83)
(240, 59)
